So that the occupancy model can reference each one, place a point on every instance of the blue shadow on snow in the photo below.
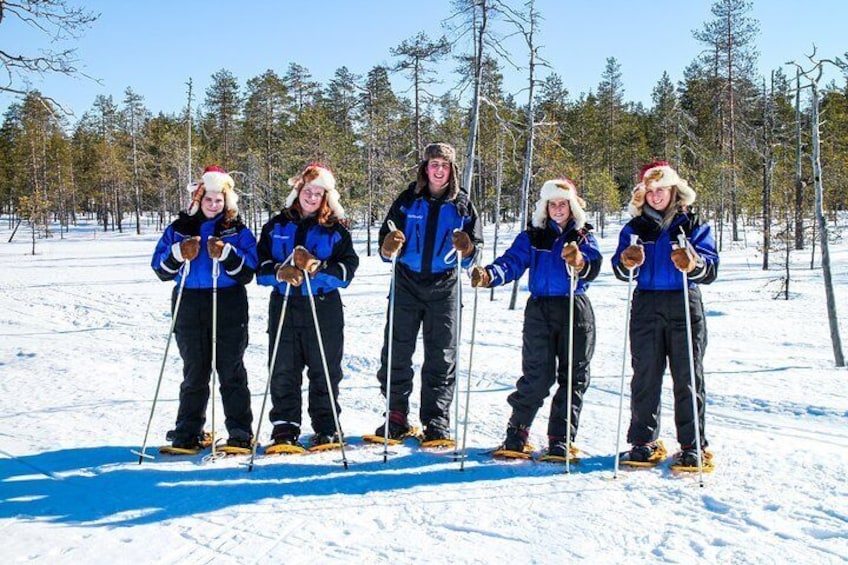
(106, 486)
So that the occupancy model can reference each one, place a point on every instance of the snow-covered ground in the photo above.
(82, 334)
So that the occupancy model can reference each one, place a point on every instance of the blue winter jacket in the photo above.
(236, 268)
(658, 271)
(428, 225)
(330, 244)
(540, 250)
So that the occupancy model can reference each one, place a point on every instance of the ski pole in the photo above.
(468, 383)
(392, 227)
(573, 286)
(333, 406)
(271, 366)
(215, 273)
(681, 239)
(458, 255)
(141, 454)
(634, 239)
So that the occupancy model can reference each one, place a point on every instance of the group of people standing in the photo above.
(305, 254)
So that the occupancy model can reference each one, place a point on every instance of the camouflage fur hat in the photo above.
(439, 151)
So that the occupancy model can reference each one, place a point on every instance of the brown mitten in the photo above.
(392, 244)
(571, 254)
(480, 277)
(632, 256)
(215, 246)
(462, 243)
(684, 259)
(305, 260)
(290, 274)
(190, 247)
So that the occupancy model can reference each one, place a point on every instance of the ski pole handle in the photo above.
(451, 255)
(634, 239)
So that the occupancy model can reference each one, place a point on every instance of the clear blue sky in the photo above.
(155, 46)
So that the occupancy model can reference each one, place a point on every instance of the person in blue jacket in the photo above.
(432, 217)
(660, 210)
(308, 236)
(209, 247)
(557, 243)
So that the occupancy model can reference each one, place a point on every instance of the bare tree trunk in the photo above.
(527, 175)
(14, 231)
(468, 173)
(822, 223)
(135, 173)
(188, 128)
(799, 183)
(768, 164)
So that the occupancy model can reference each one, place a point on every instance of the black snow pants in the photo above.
(193, 332)
(299, 349)
(658, 336)
(430, 301)
(544, 354)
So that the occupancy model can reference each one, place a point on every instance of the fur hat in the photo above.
(214, 179)
(318, 175)
(660, 175)
(444, 151)
(559, 188)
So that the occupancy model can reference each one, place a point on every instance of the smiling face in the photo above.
(438, 175)
(658, 198)
(310, 198)
(212, 204)
(559, 210)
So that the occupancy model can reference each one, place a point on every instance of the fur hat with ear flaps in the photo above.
(559, 188)
(659, 175)
(317, 174)
(214, 179)
(439, 151)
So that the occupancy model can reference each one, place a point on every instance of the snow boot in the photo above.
(435, 436)
(322, 440)
(648, 454)
(398, 426)
(516, 438)
(558, 447)
(319, 439)
(196, 442)
(285, 434)
(687, 460)
(240, 442)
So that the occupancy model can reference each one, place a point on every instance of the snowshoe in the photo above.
(191, 445)
(324, 442)
(436, 437)
(645, 455)
(285, 438)
(686, 461)
(399, 430)
(237, 445)
(515, 445)
(557, 449)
